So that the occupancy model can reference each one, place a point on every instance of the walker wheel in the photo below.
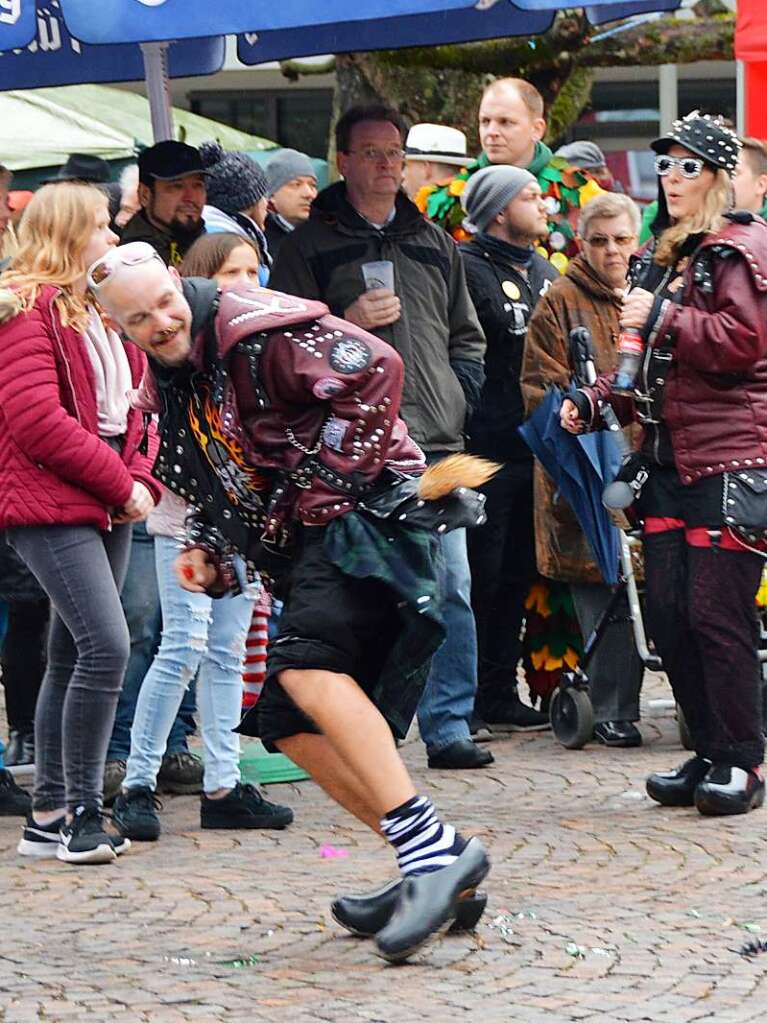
(572, 717)
(684, 732)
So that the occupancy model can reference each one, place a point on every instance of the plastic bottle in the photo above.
(630, 351)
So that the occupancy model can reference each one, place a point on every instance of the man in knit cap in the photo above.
(237, 203)
(506, 277)
(172, 194)
(292, 188)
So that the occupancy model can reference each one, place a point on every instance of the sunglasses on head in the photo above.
(128, 255)
(689, 166)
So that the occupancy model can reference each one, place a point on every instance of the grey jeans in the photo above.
(615, 671)
(82, 570)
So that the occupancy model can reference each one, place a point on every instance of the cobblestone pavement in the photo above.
(603, 907)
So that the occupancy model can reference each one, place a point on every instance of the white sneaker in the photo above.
(40, 841)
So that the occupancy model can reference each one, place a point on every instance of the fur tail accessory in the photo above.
(442, 499)
(453, 472)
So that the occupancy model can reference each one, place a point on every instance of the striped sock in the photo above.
(421, 841)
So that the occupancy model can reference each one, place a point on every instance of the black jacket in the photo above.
(438, 334)
(276, 232)
(505, 294)
(171, 249)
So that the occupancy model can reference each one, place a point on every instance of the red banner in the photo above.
(751, 30)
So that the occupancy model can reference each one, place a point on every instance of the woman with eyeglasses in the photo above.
(72, 479)
(587, 295)
(699, 302)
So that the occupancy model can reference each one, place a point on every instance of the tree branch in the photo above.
(667, 40)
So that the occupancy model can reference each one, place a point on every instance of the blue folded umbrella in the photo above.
(580, 466)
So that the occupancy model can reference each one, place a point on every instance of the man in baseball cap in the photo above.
(172, 193)
(433, 154)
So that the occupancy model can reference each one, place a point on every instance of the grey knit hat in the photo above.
(235, 181)
(287, 166)
(491, 190)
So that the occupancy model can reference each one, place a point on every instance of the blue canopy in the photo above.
(55, 57)
(133, 21)
(469, 23)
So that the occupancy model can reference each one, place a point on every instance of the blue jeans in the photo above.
(141, 603)
(446, 706)
(204, 637)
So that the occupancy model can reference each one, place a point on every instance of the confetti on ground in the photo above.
(330, 852)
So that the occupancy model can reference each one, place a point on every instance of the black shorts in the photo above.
(331, 621)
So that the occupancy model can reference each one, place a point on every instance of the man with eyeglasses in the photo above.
(588, 295)
(365, 229)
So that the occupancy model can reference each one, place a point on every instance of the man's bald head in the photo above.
(143, 298)
(511, 121)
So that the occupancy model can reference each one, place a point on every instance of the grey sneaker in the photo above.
(180, 774)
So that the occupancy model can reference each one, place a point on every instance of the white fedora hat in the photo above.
(436, 142)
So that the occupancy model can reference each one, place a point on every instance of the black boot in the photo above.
(365, 915)
(14, 801)
(728, 790)
(618, 734)
(428, 903)
(507, 713)
(677, 788)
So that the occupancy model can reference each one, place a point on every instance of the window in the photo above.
(299, 119)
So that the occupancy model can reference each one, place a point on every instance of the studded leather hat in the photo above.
(707, 136)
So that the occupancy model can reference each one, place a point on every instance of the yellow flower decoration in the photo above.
(422, 197)
(559, 260)
(539, 657)
(538, 600)
(457, 186)
(571, 658)
(553, 663)
(589, 191)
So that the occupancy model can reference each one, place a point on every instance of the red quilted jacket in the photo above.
(54, 468)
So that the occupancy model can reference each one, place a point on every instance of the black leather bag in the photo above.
(744, 500)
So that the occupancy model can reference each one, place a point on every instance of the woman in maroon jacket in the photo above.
(72, 479)
(700, 303)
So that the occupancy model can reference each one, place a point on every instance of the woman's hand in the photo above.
(637, 306)
(570, 417)
(194, 571)
(136, 508)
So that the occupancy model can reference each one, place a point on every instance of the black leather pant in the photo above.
(702, 616)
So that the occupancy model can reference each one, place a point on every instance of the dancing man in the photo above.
(280, 425)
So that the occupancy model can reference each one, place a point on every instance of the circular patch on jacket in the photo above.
(327, 388)
(350, 355)
(511, 290)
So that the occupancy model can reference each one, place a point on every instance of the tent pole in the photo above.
(158, 92)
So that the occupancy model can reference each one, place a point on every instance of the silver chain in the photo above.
(297, 444)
